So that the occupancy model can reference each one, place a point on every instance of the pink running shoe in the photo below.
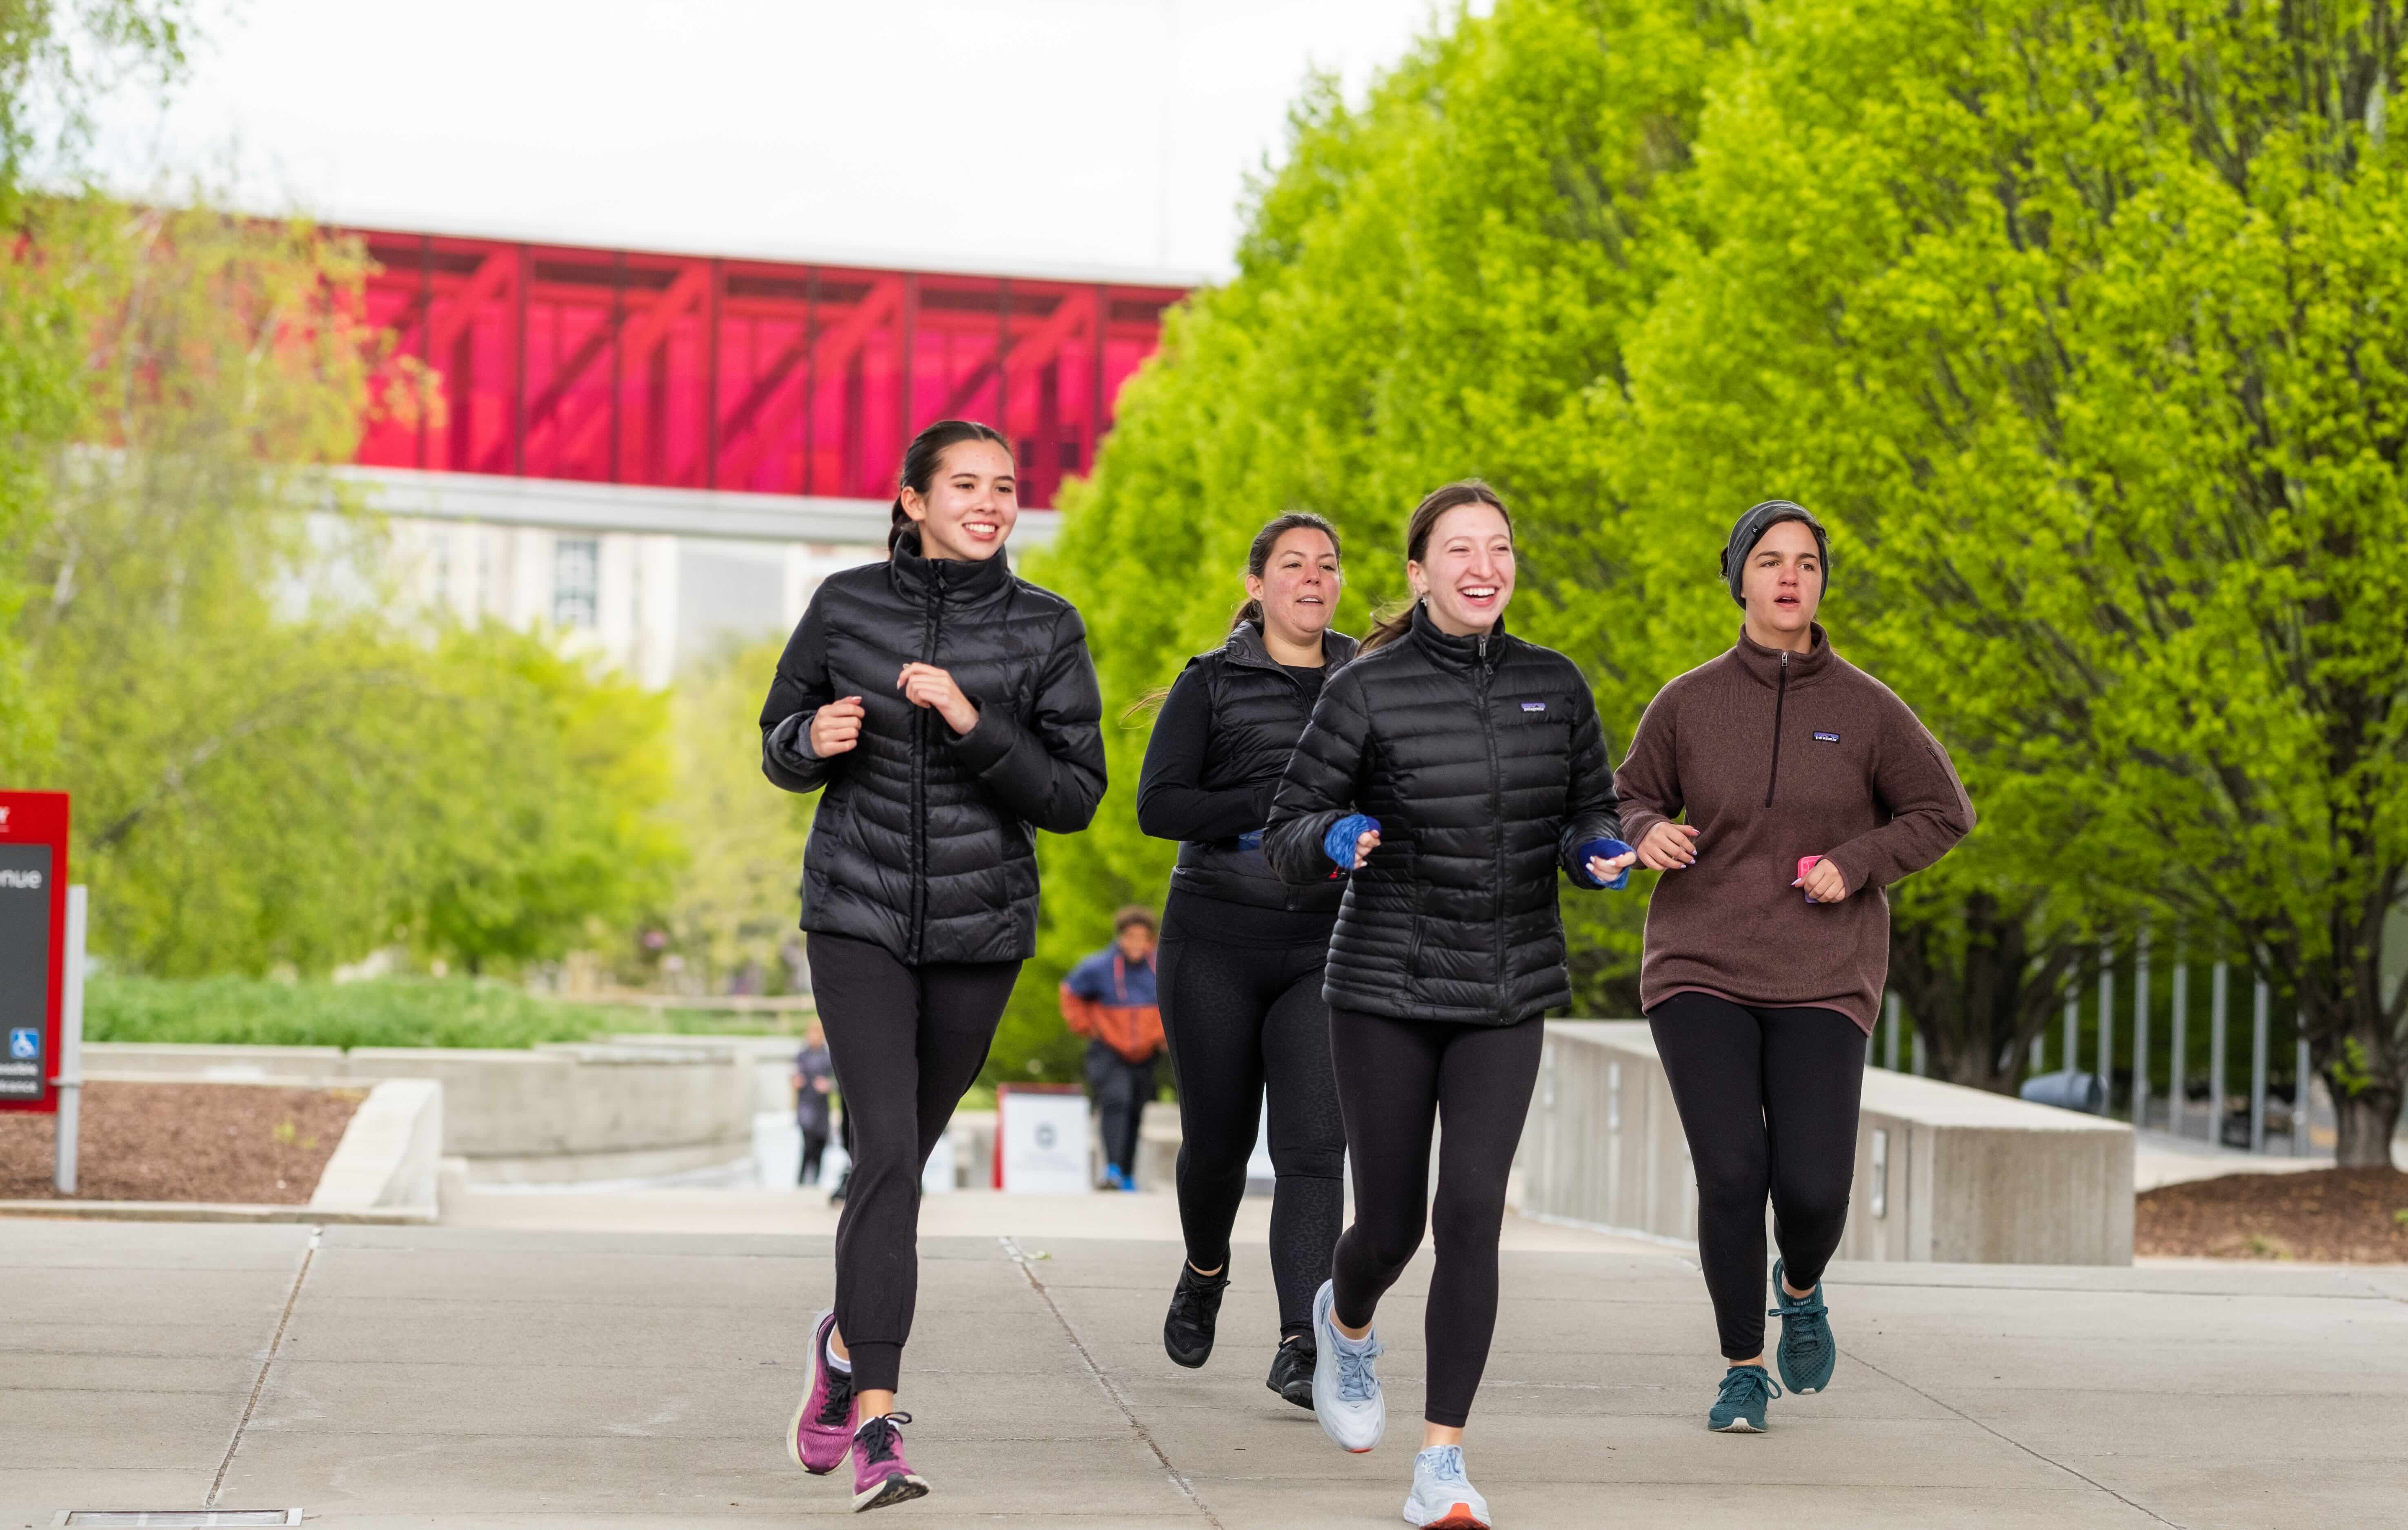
(821, 1432)
(881, 1475)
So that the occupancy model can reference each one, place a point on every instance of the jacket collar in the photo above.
(1764, 664)
(944, 579)
(1245, 647)
(1454, 653)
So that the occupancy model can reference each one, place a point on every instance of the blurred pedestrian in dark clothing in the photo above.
(815, 1081)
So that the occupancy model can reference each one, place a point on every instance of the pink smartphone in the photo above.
(1805, 864)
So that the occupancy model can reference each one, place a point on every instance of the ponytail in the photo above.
(1398, 620)
(924, 456)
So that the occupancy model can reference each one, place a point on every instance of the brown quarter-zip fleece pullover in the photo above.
(1774, 756)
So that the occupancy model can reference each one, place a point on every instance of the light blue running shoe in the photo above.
(1806, 1354)
(1346, 1380)
(1442, 1498)
(1739, 1407)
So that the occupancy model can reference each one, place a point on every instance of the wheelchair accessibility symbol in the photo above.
(24, 1044)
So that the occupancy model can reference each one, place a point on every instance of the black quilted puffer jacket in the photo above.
(1258, 711)
(924, 842)
(1482, 761)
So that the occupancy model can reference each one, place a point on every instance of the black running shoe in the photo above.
(1292, 1372)
(1194, 1310)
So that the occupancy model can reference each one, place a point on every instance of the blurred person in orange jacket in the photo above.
(1109, 999)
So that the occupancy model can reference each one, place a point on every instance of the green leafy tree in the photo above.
(2085, 323)
(54, 58)
(1437, 284)
(273, 763)
(734, 902)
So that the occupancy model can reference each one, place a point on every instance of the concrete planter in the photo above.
(1943, 1173)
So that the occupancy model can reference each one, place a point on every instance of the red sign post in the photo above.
(33, 946)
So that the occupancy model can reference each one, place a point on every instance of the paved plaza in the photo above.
(548, 1374)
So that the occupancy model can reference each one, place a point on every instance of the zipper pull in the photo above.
(1483, 645)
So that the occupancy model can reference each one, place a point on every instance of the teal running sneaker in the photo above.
(1739, 1407)
(1806, 1354)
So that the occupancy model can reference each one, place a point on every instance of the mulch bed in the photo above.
(249, 1143)
(2325, 1216)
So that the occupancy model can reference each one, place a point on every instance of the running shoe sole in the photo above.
(1737, 1426)
(901, 1488)
(795, 1424)
(1460, 1517)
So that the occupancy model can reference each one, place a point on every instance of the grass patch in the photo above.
(381, 1012)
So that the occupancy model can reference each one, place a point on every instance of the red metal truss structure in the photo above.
(619, 367)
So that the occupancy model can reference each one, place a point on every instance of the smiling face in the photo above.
(970, 506)
(1466, 572)
(1298, 588)
(1783, 584)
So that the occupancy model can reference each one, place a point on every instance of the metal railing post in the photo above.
(1889, 1042)
(2302, 1146)
(2140, 1029)
(2073, 1023)
(2177, 1085)
(2217, 1046)
(2107, 1029)
(2259, 1022)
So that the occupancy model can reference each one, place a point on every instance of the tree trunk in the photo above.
(2366, 1121)
(1977, 986)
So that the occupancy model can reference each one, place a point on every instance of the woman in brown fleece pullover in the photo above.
(1808, 787)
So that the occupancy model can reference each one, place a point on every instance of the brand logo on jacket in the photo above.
(1534, 706)
(1827, 738)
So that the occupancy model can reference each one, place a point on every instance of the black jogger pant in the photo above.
(906, 1042)
(1396, 1079)
(1768, 1098)
(1120, 1090)
(1241, 1019)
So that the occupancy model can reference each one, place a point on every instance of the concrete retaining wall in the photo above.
(1943, 1173)
(390, 1155)
(611, 1110)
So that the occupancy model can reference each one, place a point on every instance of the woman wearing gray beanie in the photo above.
(1807, 786)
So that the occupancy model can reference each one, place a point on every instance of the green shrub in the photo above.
(384, 1011)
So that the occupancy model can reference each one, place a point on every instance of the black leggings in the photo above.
(1396, 1078)
(1240, 1019)
(906, 1042)
(1768, 1098)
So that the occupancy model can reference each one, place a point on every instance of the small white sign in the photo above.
(1043, 1139)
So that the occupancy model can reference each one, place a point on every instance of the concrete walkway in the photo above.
(493, 1376)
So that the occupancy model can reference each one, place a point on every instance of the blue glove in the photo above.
(1601, 850)
(1338, 843)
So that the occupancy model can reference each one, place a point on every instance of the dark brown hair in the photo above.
(1397, 620)
(924, 456)
(1258, 555)
(1133, 914)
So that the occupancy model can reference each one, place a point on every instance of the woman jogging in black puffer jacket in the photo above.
(1451, 769)
(950, 711)
(1242, 952)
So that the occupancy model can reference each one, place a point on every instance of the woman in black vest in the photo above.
(1241, 952)
(1451, 770)
(949, 710)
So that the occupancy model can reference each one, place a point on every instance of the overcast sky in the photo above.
(985, 134)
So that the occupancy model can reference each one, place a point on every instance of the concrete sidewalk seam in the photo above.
(283, 1320)
(2002, 1435)
(1178, 1478)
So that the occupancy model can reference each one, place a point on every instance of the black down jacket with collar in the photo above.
(923, 841)
(1482, 761)
(1258, 711)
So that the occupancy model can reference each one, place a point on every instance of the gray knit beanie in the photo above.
(1750, 529)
